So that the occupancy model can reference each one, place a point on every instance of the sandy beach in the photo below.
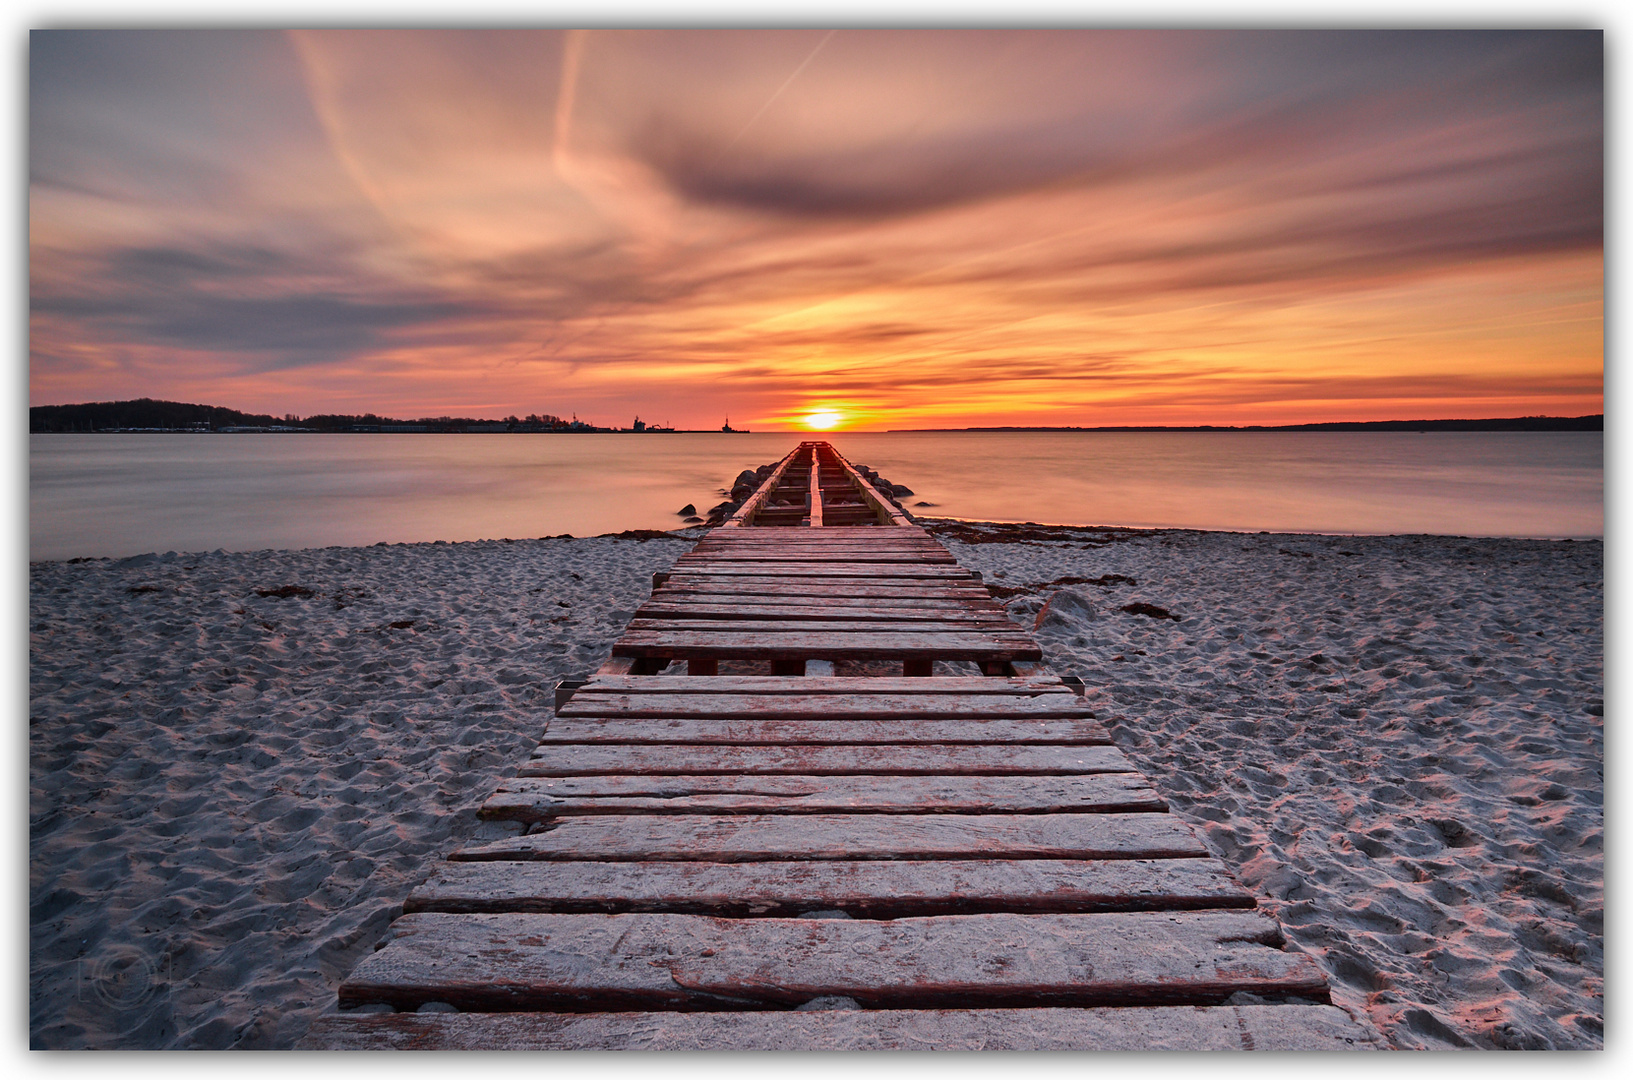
(240, 764)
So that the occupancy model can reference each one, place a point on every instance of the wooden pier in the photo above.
(785, 858)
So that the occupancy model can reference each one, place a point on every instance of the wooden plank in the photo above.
(541, 798)
(957, 598)
(887, 510)
(827, 730)
(884, 708)
(790, 552)
(946, 686)
(848, 610)
(1181, 1027)
(804, 837)
(954, 760)
(784, 569)
(834, 537)
(774, 629)
(815, 492)
(851, 587)
(865, 890)
(694, 962)
(818, 553)
(864, 533)
(799, 542)
(850, 645)
(745, 513)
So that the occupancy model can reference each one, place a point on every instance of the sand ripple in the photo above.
(1396, 741)
(231, 794)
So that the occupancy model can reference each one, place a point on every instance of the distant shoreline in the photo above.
(145, 415)
(1516, 423)
(405, 430)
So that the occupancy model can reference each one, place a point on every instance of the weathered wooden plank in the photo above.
(773, 628)
(1171, 1027)
(954, 760)
(812, 543)
(830, 536)
(863, 889)
(799, 541)
(824, 707)
(623, 729)
(541, 798)
(964, 600)
(804, 837)
(762, 494)
(908, 571)
(849, 645)
(815, 492)
(829, 532)
(816, 557)
(695, 962)
(947, 686)
(965, 612)
(861, 588)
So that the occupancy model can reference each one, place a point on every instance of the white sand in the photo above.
(232, 795)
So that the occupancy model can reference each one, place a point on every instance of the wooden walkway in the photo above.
(784, 860)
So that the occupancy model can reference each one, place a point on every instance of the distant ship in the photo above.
(727, 427)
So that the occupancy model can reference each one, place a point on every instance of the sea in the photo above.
(115, 495)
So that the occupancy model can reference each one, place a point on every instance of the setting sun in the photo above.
(822, 420)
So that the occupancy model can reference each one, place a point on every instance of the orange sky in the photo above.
(897, 229)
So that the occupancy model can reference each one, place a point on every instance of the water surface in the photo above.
(115, 495)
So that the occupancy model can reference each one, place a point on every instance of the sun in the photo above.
(822, 420)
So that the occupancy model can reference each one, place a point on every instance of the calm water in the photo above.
(127, 494)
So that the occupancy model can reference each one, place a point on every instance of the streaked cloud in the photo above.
(913, 227)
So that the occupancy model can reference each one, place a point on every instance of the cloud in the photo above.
(245, 302)
(922, 220)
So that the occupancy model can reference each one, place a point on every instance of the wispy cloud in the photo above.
(933, 226)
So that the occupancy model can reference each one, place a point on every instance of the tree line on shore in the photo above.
(150, 415)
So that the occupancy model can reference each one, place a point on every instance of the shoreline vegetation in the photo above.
(146, 415)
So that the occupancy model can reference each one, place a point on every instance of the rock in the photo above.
(1066, 609)
(748, 477)
(285, 592)
(829, 1003)
(1151, 611)
(686, 510)
(1024, 607)
(694, 520)
(901, 491)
